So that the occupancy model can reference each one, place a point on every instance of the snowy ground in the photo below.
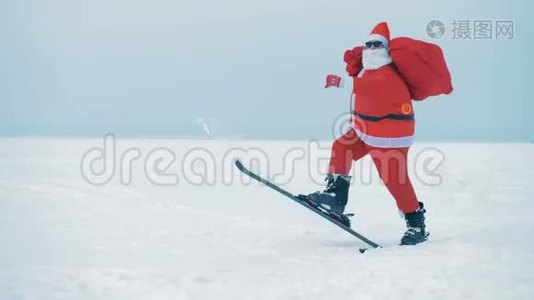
(64, 238)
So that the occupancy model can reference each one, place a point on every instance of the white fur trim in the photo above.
(384, 142)
(378, 37)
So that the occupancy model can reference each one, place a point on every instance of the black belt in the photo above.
(388, 116)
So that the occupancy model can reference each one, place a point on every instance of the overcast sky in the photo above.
(255, 68)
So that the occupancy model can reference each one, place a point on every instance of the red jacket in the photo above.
(382, 93)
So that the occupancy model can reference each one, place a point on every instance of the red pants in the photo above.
(391, 164)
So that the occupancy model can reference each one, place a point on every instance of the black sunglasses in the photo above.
(376, 44)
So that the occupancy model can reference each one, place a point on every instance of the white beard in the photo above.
(375, 58)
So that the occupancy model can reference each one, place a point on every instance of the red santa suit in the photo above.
(383, 118)
(383, 115)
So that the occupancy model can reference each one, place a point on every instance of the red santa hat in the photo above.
(380, 33)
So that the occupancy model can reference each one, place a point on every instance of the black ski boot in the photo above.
(334, 198)
(415, 221)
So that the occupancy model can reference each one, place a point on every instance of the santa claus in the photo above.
(387, 76)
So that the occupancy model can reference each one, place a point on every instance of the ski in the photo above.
(308, 205)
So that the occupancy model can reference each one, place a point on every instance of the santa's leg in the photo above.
(345, 149)
(392, 165)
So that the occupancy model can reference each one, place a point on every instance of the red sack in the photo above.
(423, 67)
